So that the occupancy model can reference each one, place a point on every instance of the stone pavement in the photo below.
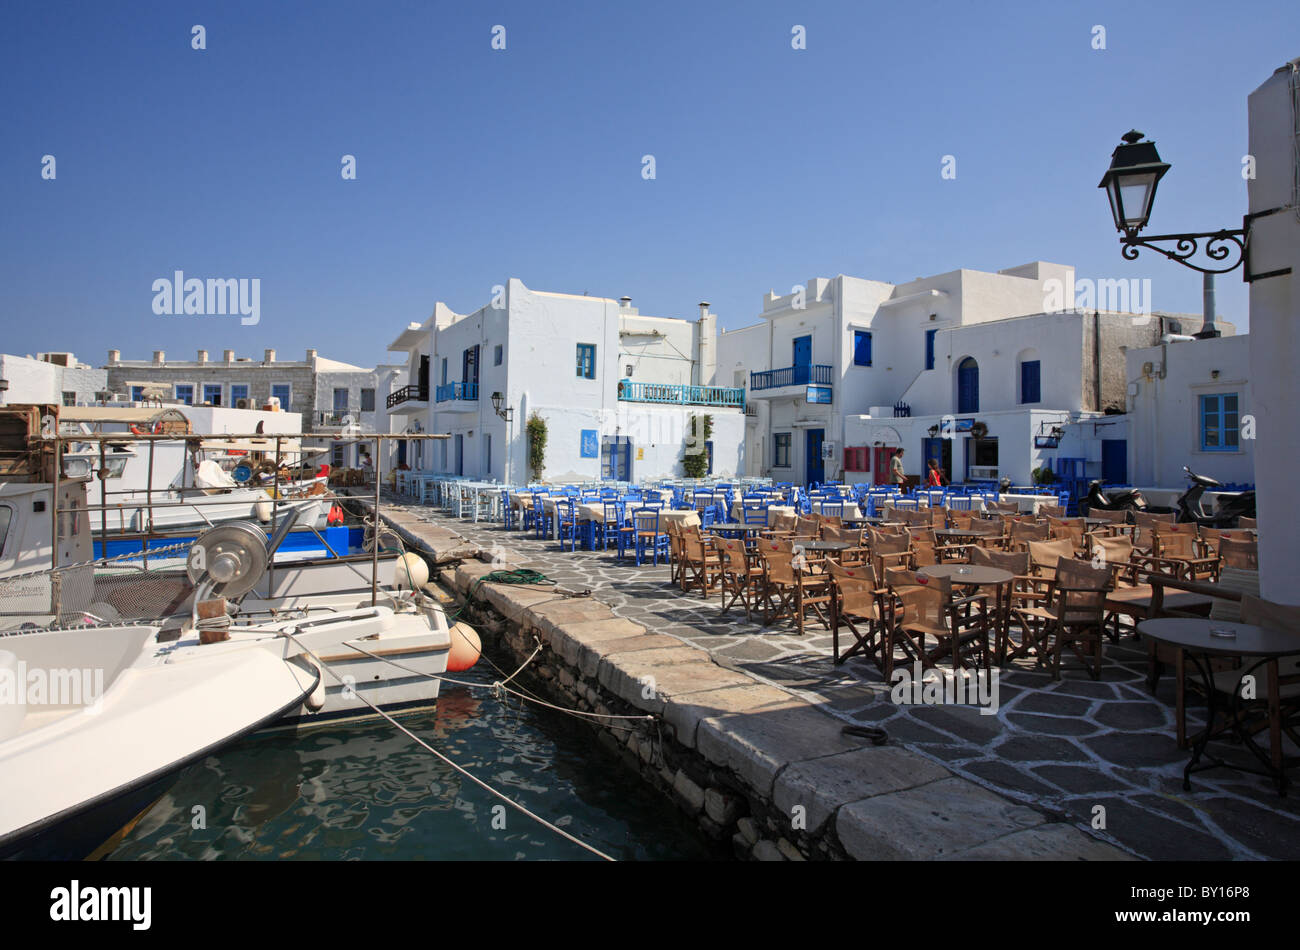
(1065, 748)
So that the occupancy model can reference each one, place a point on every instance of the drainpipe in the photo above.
(1096, 360)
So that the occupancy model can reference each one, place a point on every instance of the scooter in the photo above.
(1128, 499)
(1229, 510)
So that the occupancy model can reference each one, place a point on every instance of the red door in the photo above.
(884, 455)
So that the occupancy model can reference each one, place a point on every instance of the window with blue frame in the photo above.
(587, 360)
(281, 391)
(782, 459)
(929, 348)
(212, 393)
(137, 394)
(1030, 386)
(861, 348)
(238, 391)
(497, 354)
(1219, 423)
(185, 394)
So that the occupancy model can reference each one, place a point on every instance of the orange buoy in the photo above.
(465, 648)
(335, 516)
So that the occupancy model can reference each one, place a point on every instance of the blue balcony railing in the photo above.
(678, 395)
(815, 374)
(456, 391)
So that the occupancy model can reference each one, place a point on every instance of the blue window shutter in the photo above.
(1030, 381)
(861, 348)
(929, 348)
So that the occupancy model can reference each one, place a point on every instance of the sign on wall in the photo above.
(818, 394)
(590, 445)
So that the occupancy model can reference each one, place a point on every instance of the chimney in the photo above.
(228, 355)
(1208, 329)
(624, 303)
(203, 356)
(704, 309)
(114, 356)
(270, 356)
(311, 355)
(159, 357)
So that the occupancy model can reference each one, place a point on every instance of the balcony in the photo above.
(669, 394)
(456, 392)
(815, 379)
(338, 418)
(412, 394)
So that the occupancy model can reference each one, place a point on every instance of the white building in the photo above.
(615, 389)
(50, 379)
(1273, 118)
(845, 371)
(1190, 404)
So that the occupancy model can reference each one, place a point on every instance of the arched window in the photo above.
(968, 386)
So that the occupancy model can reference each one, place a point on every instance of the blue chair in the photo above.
(754, 514)
(541, 520)
(645, 524)
(608, 529)
(507, 512)
(566, 523)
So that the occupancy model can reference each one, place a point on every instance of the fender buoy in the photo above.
(335, 516)
(465, 648)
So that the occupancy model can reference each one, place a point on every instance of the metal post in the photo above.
(103, 504)
(275, 512)
(374, 554)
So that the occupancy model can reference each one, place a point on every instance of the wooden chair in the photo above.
(1239, 553)
(923, 607)
(1022, 533)
(1176, 545)
(1244, 522)
(741, 579)
(700, 566)
(1076, 615)
(889, 550)
(1019, 592)
(858, 601)
(790, 590)
(1144, 528)
(1052, 511)
(1072, 529)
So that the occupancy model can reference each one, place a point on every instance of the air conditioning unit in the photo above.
(243, 404)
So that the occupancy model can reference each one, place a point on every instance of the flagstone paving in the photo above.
(1102, 754)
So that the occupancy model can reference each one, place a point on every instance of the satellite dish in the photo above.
(228, 559)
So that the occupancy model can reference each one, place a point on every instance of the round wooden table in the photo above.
(977, 575)
(1202, 639)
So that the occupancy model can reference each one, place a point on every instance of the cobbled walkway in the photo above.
(1100, 753)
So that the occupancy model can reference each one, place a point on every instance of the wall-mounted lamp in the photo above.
(1214, 374)
(508, 413)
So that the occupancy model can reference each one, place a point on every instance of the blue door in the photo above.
(815, 468)
(968, 386)
(460, 455)
(1114, 461)
(616, 458)
(802, 360)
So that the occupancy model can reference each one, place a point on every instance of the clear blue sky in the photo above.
(473, 165)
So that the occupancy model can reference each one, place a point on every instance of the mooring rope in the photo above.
(500, 686)
(463, 771)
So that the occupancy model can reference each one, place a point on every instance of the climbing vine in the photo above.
(695, 462)
(536, 445)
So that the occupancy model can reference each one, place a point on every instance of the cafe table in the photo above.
(1203, 639)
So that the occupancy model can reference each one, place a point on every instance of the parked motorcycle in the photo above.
(1128, 499)
(1230, 509)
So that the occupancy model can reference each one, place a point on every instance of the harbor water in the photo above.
(366, 791)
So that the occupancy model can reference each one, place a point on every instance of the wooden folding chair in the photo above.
(858, 601)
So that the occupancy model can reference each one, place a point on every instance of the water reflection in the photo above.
(367, 792)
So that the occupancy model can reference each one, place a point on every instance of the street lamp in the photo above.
(1130, 182)
(508, 414)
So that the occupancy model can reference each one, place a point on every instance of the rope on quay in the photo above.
(463, 771)
(500, 686)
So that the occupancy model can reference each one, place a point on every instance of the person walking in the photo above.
(896, 471)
